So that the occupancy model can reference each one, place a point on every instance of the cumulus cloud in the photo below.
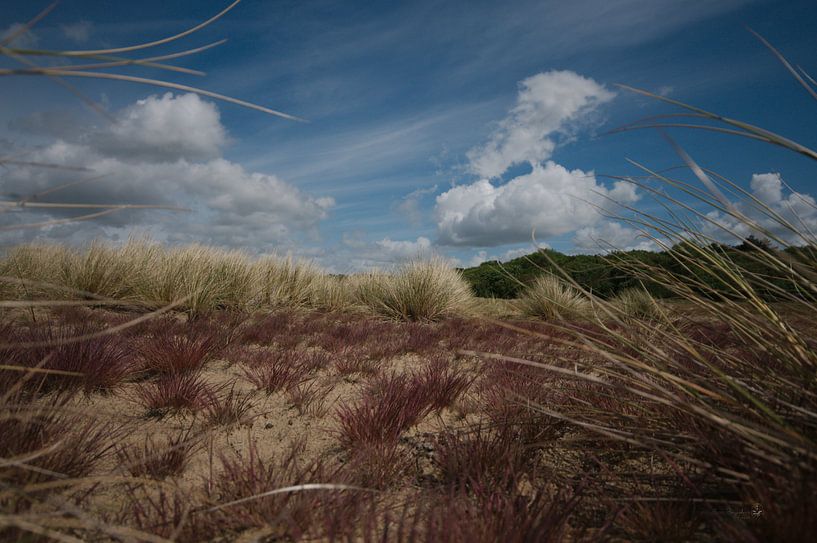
(797, 208)
(166, 150)
(546, 106)
(404, 250)
(551, 200)
(164, 127)
(612, 236)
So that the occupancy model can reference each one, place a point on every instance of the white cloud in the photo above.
(612, 236)
(546, 105)
(166, 150)
(392, 251)
(78, 32)
(164, 128)
(510, 254)
(550, 199)
(799, 209)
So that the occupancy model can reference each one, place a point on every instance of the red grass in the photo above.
(167, 514)
(268, 329)
(158, 460)
(177, 348)
(309, 398)
(103, 362)
(390, 406)
(287, 515)
(480, 456)
(174, 392)
(378, 465)
(55, 442)
(442, 383)
(274, 370)
(354, 360)
(226, 409)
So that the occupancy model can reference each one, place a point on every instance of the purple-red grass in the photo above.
(166, 513)
(274, 370)
(158, 460)
(442, 383)
(174, 392)
(460, 517)
(269, 328)
(177, 348)
(391, 405)
(355, 360)
(224, 409)
(309, 398)
(100, 363)
(670, 521)
(49, 441)
(480, 456)
(378, 465)
(287, 515)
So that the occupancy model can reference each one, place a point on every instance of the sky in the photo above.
(466, 129)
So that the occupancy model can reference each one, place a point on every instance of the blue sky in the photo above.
(447, 127)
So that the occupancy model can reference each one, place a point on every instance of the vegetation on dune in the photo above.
(603, 420)
(607, 275)
(550, 298)
(417, 290)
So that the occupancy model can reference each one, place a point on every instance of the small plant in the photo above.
(378, 465)
(177, 348)
(158, 460)
(354, 360)
(287, 515)
(390, 406)
(54, 442)
(98, 363)
(550, 298)
(274, 370)
(309, 398)
(442, 384)
(226, 409)
(480, 456)
(174, 392)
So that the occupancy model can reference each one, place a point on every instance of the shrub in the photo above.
(550, 298)
(419, 290)
(636, 304)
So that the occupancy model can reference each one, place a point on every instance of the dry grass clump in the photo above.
(287, 282)
(418, 291)
(550, 298)
(635, 303)
(206, 278)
